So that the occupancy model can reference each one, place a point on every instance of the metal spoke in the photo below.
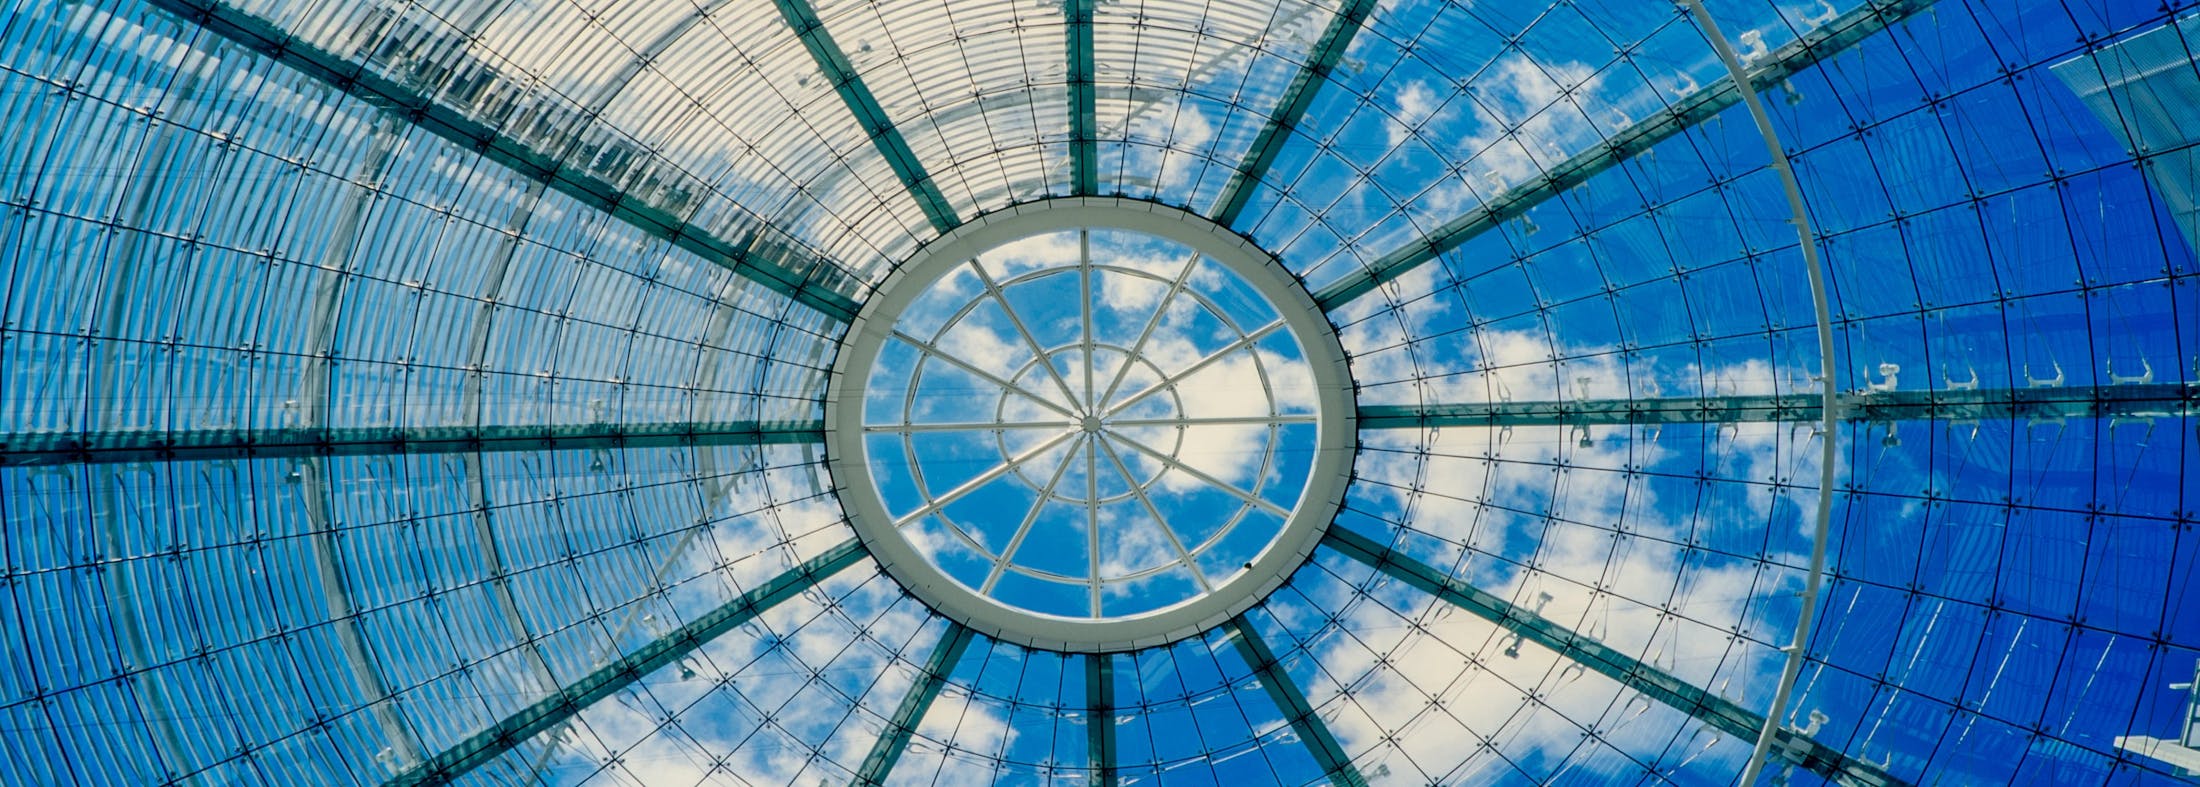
(1084, 120)
(1084, 304)
(1092, 520)
(895, 738)
(1240, 343)
(1247, 420)
(1183, 556)
(973, 485)
(993, 289)
(1297, 99)
(2133, 400)
(933, 351)
(1015, 542)
(1171, 461)
(1100, 721)
(153, 445)
(834, 65)
(1169, 530)
(1145, 334)
(967, 427)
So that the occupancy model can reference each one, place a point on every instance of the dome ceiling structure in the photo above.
(694, 392)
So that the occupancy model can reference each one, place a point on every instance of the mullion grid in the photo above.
(952, 752)
(1932, 432)
(1270, 748)
(590, 114)
(1241, 99)
(1422, 615)
(560, 633)
(1691, 555)
(776, 632)
(657, 599)
(1142, 701)
(483, 228)
(1849, 336)
(1408, 45)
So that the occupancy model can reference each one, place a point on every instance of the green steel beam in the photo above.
(1719, 712)
(2135, 401)
(1297, 98)
(834, 64)
(158, 446)
(1835, 36)
(895, 738)
(1084, 112)
(611, 678)
(1292, 702)
(757, 257)
(1100, 718)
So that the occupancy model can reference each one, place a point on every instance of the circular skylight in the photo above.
(1091, 424)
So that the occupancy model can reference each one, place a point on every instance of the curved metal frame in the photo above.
(1829, 402)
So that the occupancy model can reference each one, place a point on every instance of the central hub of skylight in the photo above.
(1091, 425)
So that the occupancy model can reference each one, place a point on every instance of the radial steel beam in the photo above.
(869, 114)
(1100, 749)
(1297, 98)
(1719, 712)
(2132, 401)
(895, 738)
(758, 257)
(158, 446)
(1835, 36)
(624, 671)
(1292, 702)
(1084, 109)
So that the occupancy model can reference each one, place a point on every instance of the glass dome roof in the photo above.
(421, 391)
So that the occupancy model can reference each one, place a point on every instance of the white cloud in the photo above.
(1037, 252)
(1135, 296)
(1415, 105)
(1128, 546)
(1521, 119)
(1169, 156)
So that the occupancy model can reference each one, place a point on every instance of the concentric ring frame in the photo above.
(858, 491)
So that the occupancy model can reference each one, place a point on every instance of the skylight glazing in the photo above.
(1093, 424)
(422, 391)
(1068, 401)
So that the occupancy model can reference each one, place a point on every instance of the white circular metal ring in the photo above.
(1316, 431)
